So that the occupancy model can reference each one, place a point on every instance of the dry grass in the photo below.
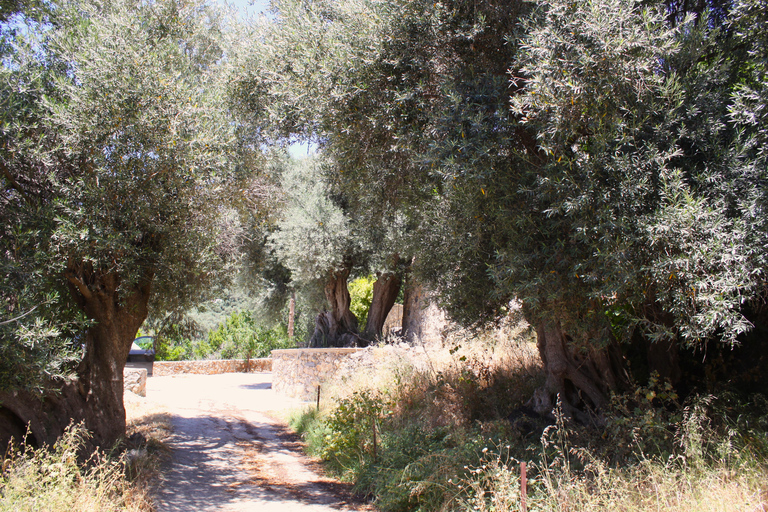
(454, 379)
(148, 428)
(54, 479)
(664, 487)
(441, 406)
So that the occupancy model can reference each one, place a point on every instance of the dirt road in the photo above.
(230, 455)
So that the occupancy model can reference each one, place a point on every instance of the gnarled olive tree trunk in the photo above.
(580, 378)
(583, 375)
(337, 327)
(385, 291)
(413, 308)
(95, 395)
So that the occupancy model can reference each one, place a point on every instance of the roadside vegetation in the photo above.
(448, 431)
(56, 479)
(238, 336)
(236, 326)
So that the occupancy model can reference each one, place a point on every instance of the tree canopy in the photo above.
(601, 162)
(119, 168)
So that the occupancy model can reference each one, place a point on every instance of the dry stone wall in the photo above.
(212, 367)
(297, 372)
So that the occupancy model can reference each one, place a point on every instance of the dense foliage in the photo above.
(240, 336)
(601, 162)
(118, 172)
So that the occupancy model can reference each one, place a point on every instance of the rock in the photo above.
(135, 380)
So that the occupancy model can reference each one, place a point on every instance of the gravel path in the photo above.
(230, 455)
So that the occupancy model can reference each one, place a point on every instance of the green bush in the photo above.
(361, 296)
(240, 336)
(175, 344)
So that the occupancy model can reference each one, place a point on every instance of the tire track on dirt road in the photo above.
(229, 455)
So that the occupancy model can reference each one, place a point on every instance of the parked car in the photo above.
(140, 357)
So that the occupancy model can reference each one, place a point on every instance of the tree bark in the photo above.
(338, 327)
(385, 291)
(579, 380)
(95, 396)
(413, 307)
(291, 313)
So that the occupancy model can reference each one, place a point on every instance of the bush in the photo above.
(240, 337)
(361, 296)
(435, 435)
(401, 440)
(175, 344)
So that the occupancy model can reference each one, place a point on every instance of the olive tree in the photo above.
(117, 163)
(602, 162)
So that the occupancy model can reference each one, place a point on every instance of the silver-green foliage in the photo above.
(117, 162)
(615, 183)
(641, 169)
(314, 235)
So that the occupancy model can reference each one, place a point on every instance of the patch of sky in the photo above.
(249, 8)
(299, 150)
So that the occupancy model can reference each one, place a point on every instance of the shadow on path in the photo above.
(228, 456)
(257, 385)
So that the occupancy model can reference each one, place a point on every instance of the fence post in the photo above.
(318, 397)
(375, 448)
(523, 488)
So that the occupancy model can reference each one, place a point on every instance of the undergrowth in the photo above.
(54, 479)
(449, 432)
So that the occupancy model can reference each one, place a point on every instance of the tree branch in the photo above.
(6, 322)
(14, 183)
(80, 285)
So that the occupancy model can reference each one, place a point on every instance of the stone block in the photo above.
(135, 380)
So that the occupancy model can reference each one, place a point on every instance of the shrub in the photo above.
(239, 336)
(361, 296)
(443, 441)
(174, 342)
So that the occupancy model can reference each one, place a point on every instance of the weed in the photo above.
(427, 430)
(52, 478)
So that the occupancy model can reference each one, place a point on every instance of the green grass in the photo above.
(433, 436)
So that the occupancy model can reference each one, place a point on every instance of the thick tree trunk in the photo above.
(580, 380)
(338, 327)
(413, 308)
(95, 396)
(385, 291)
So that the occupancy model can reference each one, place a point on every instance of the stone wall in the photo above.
(212, 367)
(297, 372)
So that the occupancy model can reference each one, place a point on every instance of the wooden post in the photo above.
(318, 397)
(373, 424)
(523, 488)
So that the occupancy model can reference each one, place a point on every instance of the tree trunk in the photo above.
(580, 380)
(385, 291)
(338, 327)
(291, 313)
(413, 307)
(95, 396)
